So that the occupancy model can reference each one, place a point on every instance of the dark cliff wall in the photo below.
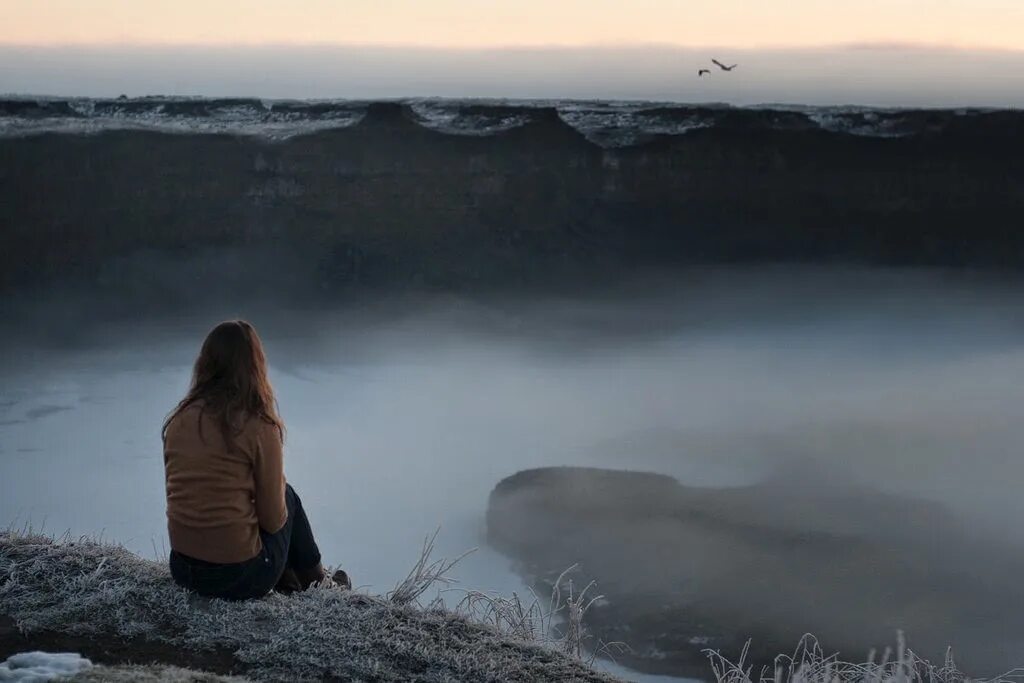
(388, 201)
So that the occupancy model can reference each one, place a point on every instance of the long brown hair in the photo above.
(229, 382)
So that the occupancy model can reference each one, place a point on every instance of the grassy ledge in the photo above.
(102, 592)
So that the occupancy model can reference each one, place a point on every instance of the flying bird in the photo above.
(723, 67)
(701, 72)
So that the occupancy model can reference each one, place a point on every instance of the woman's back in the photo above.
(218, 497)
(237, 529)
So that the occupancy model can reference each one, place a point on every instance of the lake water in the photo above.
(401, 421)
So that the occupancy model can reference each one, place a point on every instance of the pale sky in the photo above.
(505, 23)
(873, 52)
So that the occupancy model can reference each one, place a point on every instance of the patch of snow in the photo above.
(606, 123)
(867, 124)
(449, 119)
(274, 120)
(33, 667)
(622, 126)
(274, 130)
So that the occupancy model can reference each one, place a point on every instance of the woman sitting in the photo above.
(237, 529)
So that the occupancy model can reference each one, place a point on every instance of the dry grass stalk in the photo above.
(558, 623)
(425, 574)
(810, 664)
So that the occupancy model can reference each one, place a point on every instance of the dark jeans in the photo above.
(293, 547)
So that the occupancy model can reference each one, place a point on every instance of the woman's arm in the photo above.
(268, 472)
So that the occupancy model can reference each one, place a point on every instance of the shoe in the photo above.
(341, 580)
(314, 576)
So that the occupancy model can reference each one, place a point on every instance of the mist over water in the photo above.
(402, 416)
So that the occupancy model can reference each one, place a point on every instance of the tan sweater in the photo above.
(217, 501)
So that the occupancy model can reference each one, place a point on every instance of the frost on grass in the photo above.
(809, 663)
(150, 674)
(85, 587)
